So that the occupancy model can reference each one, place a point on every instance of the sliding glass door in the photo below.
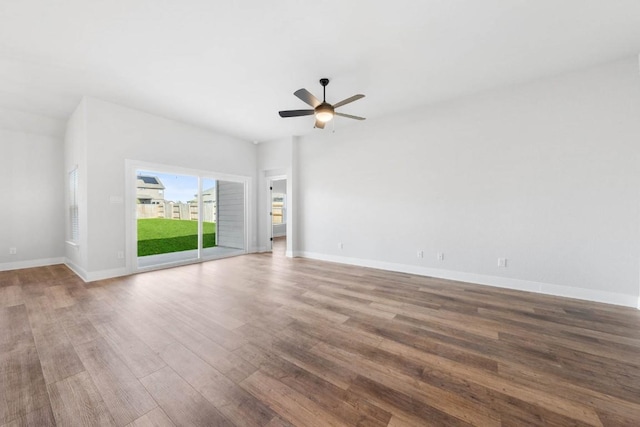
(209, 213)
(186, 217)
(230, 214)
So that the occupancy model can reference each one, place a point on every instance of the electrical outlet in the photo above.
(120, 255)
(13, 251)
(420, 254)
(502, 262)
(440, 256)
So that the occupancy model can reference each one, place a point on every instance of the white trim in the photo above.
(95, 275)
(249, 212)
(269, 212)
(106, 274)
(19, 265)
(173, 264)
(179, 170)
(130, 228)
(73, 205)
(480, 279)
(80, 272)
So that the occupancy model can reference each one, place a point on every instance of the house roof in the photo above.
(153, 182)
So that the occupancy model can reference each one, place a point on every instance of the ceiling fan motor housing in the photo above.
(324, 112)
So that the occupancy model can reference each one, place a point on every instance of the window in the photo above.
(278, 208)
(74, 231)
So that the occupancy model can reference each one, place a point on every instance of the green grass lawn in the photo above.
(161, 236)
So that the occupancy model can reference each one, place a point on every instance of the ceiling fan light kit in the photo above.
(323, 111)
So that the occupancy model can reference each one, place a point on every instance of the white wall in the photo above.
(31, 190)
(30, 123)
(75, 155)
(115, 133)
(275, 159)
(545, 174)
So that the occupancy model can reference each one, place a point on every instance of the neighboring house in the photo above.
(209, 195)
(150, 190)
(209, 205)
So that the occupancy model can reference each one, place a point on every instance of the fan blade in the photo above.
(307, 97)
(319, 124)
(348, 100)
(296, 113)
(349, 116)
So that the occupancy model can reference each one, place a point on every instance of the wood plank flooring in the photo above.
(262, 340)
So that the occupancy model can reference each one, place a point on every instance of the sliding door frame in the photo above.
(131, 228)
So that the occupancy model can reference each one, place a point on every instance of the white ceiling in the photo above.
(231, 65)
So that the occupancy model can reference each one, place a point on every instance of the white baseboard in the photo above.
(19, 265)
(480, 279)
(95, 275)
(80, 272)
(106, 274)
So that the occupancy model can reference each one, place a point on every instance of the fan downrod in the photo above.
(324, 82)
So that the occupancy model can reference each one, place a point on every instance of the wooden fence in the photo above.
(170, 210)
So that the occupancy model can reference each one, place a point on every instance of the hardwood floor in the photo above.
(268, 341)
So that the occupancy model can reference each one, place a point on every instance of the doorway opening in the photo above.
(278, 212)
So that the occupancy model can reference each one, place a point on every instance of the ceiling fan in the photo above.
(323, 111)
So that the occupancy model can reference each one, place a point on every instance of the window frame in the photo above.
(74, 220)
